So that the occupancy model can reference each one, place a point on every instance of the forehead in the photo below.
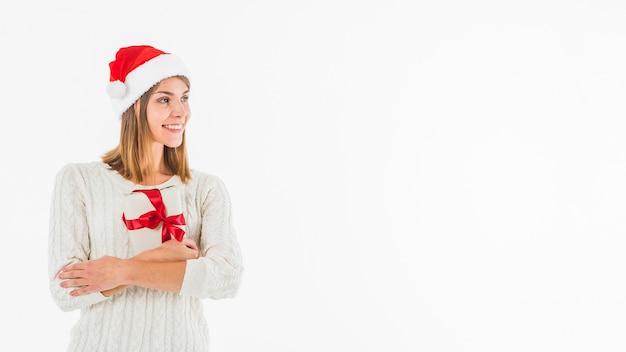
(172, 84)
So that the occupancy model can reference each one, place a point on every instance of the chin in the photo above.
(174, 144)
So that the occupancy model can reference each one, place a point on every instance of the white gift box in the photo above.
(138, 204)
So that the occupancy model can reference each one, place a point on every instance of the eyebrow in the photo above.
(169, 93)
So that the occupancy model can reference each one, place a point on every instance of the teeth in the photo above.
(174, 127)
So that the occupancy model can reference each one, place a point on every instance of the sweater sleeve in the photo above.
(68, 240)
(217, 272)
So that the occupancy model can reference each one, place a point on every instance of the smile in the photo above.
(173, 127)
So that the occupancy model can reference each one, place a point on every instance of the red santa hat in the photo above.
(135, 70)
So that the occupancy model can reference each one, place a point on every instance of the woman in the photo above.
(141, 300)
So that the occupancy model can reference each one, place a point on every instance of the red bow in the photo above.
(153, 218)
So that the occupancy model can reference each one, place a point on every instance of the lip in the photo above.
(176, 128)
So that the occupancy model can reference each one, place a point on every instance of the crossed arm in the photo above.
(162, 268)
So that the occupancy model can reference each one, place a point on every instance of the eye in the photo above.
(164, 100)
(184, 99)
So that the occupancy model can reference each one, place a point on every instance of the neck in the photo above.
(159, 173)
(156, 178)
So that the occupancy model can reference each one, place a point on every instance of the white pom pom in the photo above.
(116, 89)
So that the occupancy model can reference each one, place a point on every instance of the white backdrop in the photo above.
(405, 175)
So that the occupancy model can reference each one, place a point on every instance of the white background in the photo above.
(405, 175)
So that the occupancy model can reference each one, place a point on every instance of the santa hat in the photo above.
(135, 70)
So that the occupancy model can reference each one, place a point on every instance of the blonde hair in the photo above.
(132, 158)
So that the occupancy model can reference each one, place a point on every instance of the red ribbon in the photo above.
(153, 218)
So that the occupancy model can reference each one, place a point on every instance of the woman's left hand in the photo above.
(95, 275)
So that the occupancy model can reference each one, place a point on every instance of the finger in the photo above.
(81, 291)
(70, 274)
(75, 266)
(190, 243)
(73, 283)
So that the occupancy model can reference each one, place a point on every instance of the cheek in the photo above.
(153, 118)
(154, 126)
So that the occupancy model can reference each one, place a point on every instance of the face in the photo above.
(168, 112)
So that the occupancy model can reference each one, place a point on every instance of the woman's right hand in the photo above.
(171, 250)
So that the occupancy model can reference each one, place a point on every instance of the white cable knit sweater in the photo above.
(85, 223)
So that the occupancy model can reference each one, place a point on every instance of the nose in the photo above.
(180, 109)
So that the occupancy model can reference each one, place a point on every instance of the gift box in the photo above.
(153, 216)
